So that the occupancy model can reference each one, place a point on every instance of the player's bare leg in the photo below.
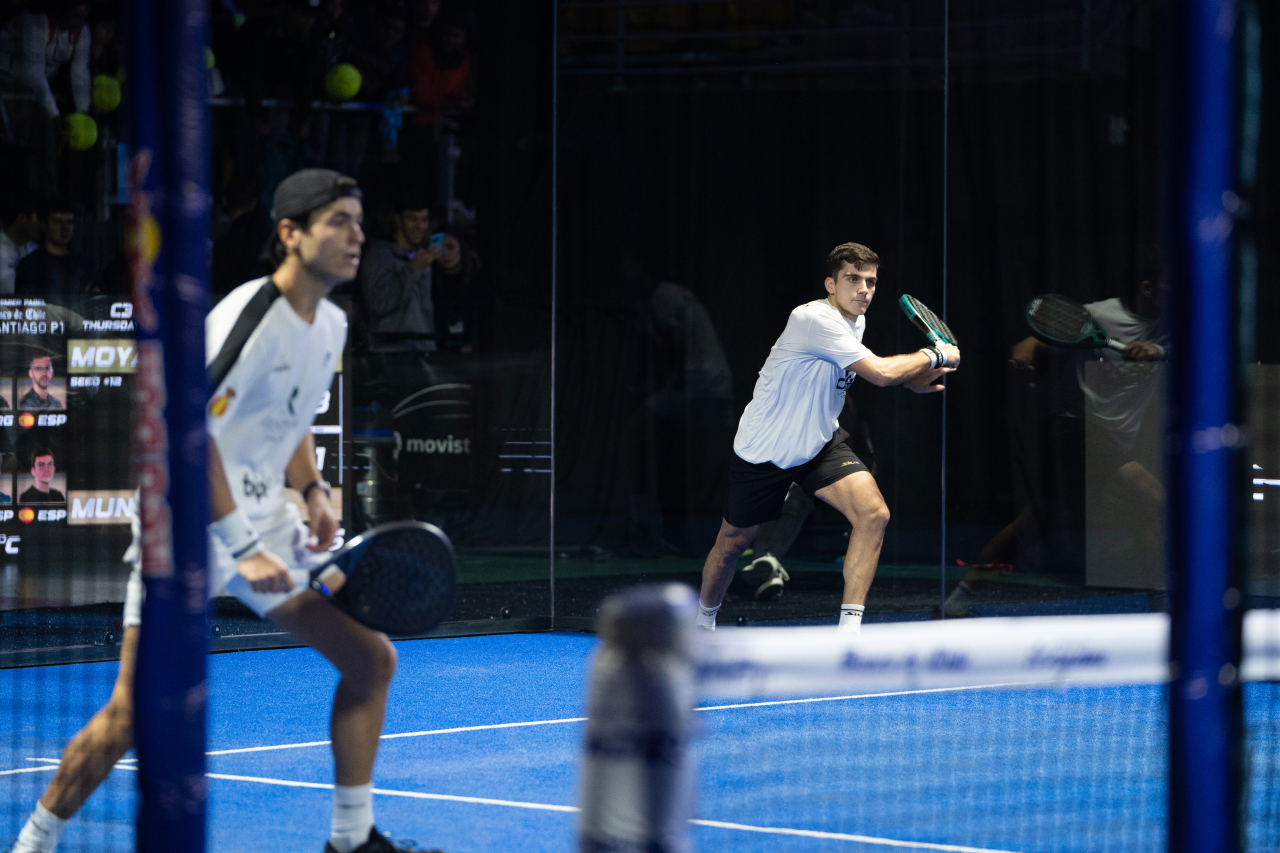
(96, 748)
(365, 659)
(88, 759)
(721, 564)
(858, 499)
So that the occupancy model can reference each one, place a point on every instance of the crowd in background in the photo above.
(375, 90)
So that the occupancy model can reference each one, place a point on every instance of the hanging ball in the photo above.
(210, 61)
(342, 81)
(742, 620)
(106, 93)
(506, 613)
(82, 131)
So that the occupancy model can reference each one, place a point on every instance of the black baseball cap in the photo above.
(304, 191)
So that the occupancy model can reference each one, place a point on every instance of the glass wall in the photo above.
(712, 154)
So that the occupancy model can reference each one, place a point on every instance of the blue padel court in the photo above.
(483, 736)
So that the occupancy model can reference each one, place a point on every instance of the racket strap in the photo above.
(237, 533)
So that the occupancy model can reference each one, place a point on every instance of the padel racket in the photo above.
(926, 321)
(1063, 322)
(399, 578)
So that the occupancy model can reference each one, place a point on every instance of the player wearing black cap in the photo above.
(272, 346)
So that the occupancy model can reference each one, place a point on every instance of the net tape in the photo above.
(1015, 651)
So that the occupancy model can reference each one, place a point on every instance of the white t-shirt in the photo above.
(266, 404)
(1118, 392)
(796, 404)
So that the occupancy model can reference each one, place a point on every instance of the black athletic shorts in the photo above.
(757, 491)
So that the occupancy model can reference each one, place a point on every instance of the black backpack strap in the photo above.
(254, 310)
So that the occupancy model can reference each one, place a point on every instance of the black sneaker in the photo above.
(379, 843)
(768, 575)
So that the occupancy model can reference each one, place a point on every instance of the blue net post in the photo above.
(169, 228)
(1204, 600)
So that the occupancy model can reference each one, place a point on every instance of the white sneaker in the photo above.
(769, 572)
(959, 601)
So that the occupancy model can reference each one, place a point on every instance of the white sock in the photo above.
(41, 833)
(707, 616)
(851, 619)
(352, 816)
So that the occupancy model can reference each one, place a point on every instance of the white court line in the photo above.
(248, 749)
(840, 836)
(548, 807)
(871, 695)
(402, 735)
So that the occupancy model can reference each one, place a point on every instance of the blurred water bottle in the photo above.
(637, 779)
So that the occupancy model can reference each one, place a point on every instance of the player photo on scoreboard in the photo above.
(6, 394)
(6, 486)
(38, 386)
(39, 481)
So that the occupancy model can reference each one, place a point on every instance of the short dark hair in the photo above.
(850, 253)
(56, 205)
(38, 451)
(39, 354)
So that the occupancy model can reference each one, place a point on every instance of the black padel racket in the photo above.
(926, 321)
(400, 578)
(1063, 322)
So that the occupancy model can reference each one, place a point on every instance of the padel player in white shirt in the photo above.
(272, 348)
(790, 432)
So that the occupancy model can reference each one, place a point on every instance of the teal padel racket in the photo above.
(1063, 322)
(926, 321)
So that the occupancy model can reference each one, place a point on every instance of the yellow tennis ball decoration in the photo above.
(82, 131)
(106, 93)
(342, 81)
(146, 237)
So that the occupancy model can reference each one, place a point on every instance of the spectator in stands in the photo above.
(237, 254)
(35, 47)
(395, 282)
(38, 396)
(456, 294)
(43, 470)
(276, 57)
(19, 229)
(439, 66)
(53, 272)
(381, 56)
(104, 49)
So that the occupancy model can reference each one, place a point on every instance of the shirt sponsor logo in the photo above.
(845, 381)
(102, 356)
(101, 506)
(218, 405)
(256, 489)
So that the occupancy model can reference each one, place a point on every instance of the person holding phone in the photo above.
(395, 282)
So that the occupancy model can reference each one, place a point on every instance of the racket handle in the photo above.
(329, 580)
(1116, 345)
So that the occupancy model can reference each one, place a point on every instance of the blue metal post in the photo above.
(169, 223)
(1199, 304)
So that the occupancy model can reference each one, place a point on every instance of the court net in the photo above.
(1031, 734)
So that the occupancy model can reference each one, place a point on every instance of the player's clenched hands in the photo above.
(1141, 351)
(929, 381)
(950, 354)
(266, 572)
(323, 524)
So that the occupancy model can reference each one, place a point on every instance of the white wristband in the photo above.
(236, 532)
(935, 355)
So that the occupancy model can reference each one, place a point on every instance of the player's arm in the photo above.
(265, 571)
(1027, 352)
(884, 371)
(300, 473)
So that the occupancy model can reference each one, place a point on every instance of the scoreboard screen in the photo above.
(66, 452)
